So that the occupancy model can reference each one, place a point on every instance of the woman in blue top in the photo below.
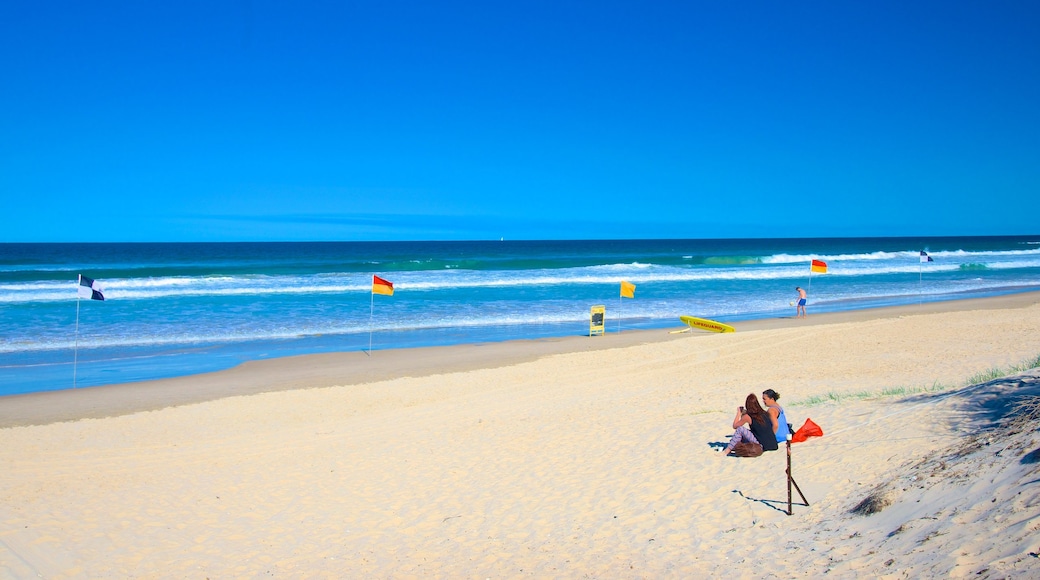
(781, 427)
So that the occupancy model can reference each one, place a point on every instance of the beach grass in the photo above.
(836, 397)
(998, 373)
(903, 391)
(1027, 365)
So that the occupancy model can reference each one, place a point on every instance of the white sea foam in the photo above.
(150, 311)
(181, 328)
(200, 336)
(893, 256)
(805, 258)
(786, 268)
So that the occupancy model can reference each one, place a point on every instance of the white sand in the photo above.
(592, 463)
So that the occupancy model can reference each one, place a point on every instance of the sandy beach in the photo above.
(566, 458)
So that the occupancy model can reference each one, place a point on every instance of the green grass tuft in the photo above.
(996, 373)
(986, 376)
(1025, 366)
(977, 378)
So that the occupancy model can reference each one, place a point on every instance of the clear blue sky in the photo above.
(256, 120)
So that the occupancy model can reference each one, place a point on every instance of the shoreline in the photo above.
(312, 371)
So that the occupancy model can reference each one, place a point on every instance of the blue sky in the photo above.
(252, 120)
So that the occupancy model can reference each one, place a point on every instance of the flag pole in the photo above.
(371, 311)
(920, 278)
(791, 481)
(790, 511)
(621, 300)
(809, 289)
(75, 349)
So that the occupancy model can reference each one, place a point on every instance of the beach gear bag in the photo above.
(747, 449)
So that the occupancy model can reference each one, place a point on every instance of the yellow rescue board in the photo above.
(705, 324)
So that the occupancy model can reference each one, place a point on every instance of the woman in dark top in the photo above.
(753, 425)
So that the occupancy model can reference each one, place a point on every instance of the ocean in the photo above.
(181, 308)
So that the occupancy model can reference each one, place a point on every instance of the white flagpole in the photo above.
(371, 311)
(621, 300)
(809, 289)
(75, 350)
(920, 278)
(924, 257)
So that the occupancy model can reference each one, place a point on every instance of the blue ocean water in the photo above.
(176, 309)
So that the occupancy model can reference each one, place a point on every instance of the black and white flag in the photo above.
(925, 257)
(88, 288)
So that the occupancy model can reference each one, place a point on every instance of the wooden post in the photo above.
(790, 482)
(789, 510)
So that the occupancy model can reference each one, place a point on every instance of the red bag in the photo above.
(809, 429)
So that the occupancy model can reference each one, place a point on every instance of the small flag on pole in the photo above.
(807, 430)
(90, 289)
(628, 289)
(381, 286)
(87, 288)
(818, 266)
(925, 257)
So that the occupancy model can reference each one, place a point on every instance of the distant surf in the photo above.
(180, 308)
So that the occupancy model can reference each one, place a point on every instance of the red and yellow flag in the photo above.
(818, 266)
(381, 286)
(628, 289)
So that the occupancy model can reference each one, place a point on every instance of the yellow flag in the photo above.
(628, 289)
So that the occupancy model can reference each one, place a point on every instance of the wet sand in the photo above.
(356, 367)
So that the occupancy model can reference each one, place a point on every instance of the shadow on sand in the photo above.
(779, 505)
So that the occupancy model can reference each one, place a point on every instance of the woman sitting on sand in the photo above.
(761, 431)
(780, 425)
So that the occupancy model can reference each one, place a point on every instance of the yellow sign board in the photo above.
(596, 320)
